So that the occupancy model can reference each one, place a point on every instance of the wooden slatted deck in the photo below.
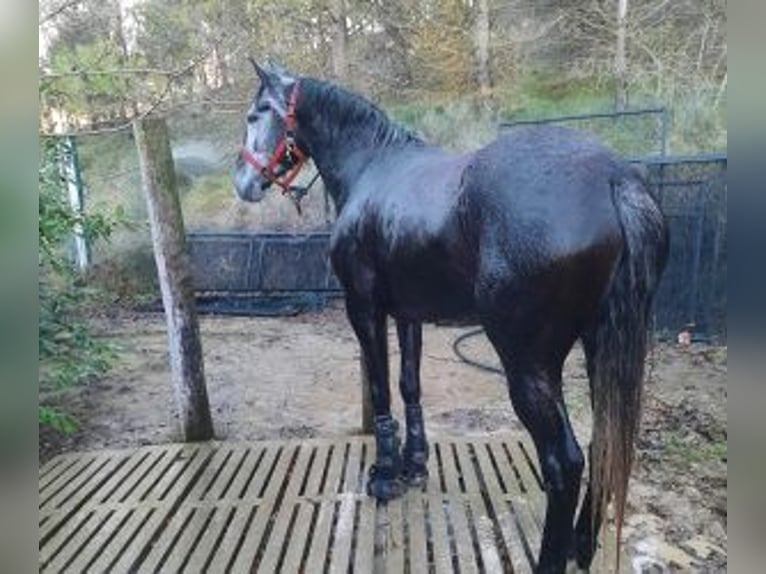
(295, 506)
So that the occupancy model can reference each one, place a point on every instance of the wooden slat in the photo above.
(70, 467)
(131, 541)
(167, 544)
(344, 530)
(207, 479)
(53, 471)
(531, 527)
(434, 477)
(534, 491)
(56, 543)
(194, 531)
(71, 484)
(481, 523)
(49, 467)
(204, 551)
(456, 511)
(334, 471)
(527, 524)
(318, 550)
(505, 519)
(257, 482)
(226, 478)
(78, 492)
(394, 537)
(533, 496)
(365, 541)
(178, 475)
(317, 470)
(439, 535)
(54, 522)
(123, 511)
(74, 545)
(344, 527)
(104, 492)
(416, 530)
(235, 533)
(254, 536)
(282, 520)
(351, 480)
(451, 482)
(296, 545)
(94, 547)
(138, 477)
(252, 456)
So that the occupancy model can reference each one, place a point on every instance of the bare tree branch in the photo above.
(58, 10)
(171, 79)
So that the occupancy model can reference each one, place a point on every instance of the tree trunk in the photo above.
(339, 40)
(620, 59)
(169, 242)
(482, 47)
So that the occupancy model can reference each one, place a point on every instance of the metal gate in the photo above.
(284, 273)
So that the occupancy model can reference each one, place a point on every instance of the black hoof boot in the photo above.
(415, 453)
(382, 487)
(383, 479)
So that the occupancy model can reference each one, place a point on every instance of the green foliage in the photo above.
(81, 86)
(461, 125)
(685, 450)
(57, 420)
(68, 353)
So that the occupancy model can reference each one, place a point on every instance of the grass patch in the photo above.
(689, 450)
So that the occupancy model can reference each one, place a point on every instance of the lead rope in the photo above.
(298, 192)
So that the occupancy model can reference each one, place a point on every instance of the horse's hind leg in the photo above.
(533, 369)
(369, 324)
(415, 453)
(588, 522)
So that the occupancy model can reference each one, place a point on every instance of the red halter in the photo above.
(286, 150)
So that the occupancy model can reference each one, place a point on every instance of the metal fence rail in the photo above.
(283, 273)
(639, 132)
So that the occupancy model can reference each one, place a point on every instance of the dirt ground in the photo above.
(299, 377)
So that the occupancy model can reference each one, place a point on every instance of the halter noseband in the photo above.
(287, 154)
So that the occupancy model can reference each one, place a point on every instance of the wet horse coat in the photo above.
(543, 237)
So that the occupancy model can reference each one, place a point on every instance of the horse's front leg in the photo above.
(414, 471)
(369, 324)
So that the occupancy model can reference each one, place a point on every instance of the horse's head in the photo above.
(269, 153)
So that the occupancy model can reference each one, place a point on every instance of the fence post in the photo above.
(169, 243)
(368, 413)
(70, 168)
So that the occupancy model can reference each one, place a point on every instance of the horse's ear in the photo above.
(262, 74)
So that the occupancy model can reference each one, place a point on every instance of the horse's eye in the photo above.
(252, 118)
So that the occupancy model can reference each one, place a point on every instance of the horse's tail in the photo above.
(617, 344)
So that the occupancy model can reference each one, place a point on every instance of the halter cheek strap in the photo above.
(286, 151)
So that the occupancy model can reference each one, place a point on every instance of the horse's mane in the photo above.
(352, 113)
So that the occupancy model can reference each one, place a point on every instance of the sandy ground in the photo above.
(299, 377)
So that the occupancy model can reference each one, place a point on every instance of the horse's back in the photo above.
(540, 204)
(548, 185)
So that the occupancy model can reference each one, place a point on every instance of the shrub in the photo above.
(68, 353)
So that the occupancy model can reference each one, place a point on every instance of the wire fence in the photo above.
(239, 272)
(633, 133)
(237, 267)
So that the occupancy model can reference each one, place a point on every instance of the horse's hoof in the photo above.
(415, 477)
(385, 489)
